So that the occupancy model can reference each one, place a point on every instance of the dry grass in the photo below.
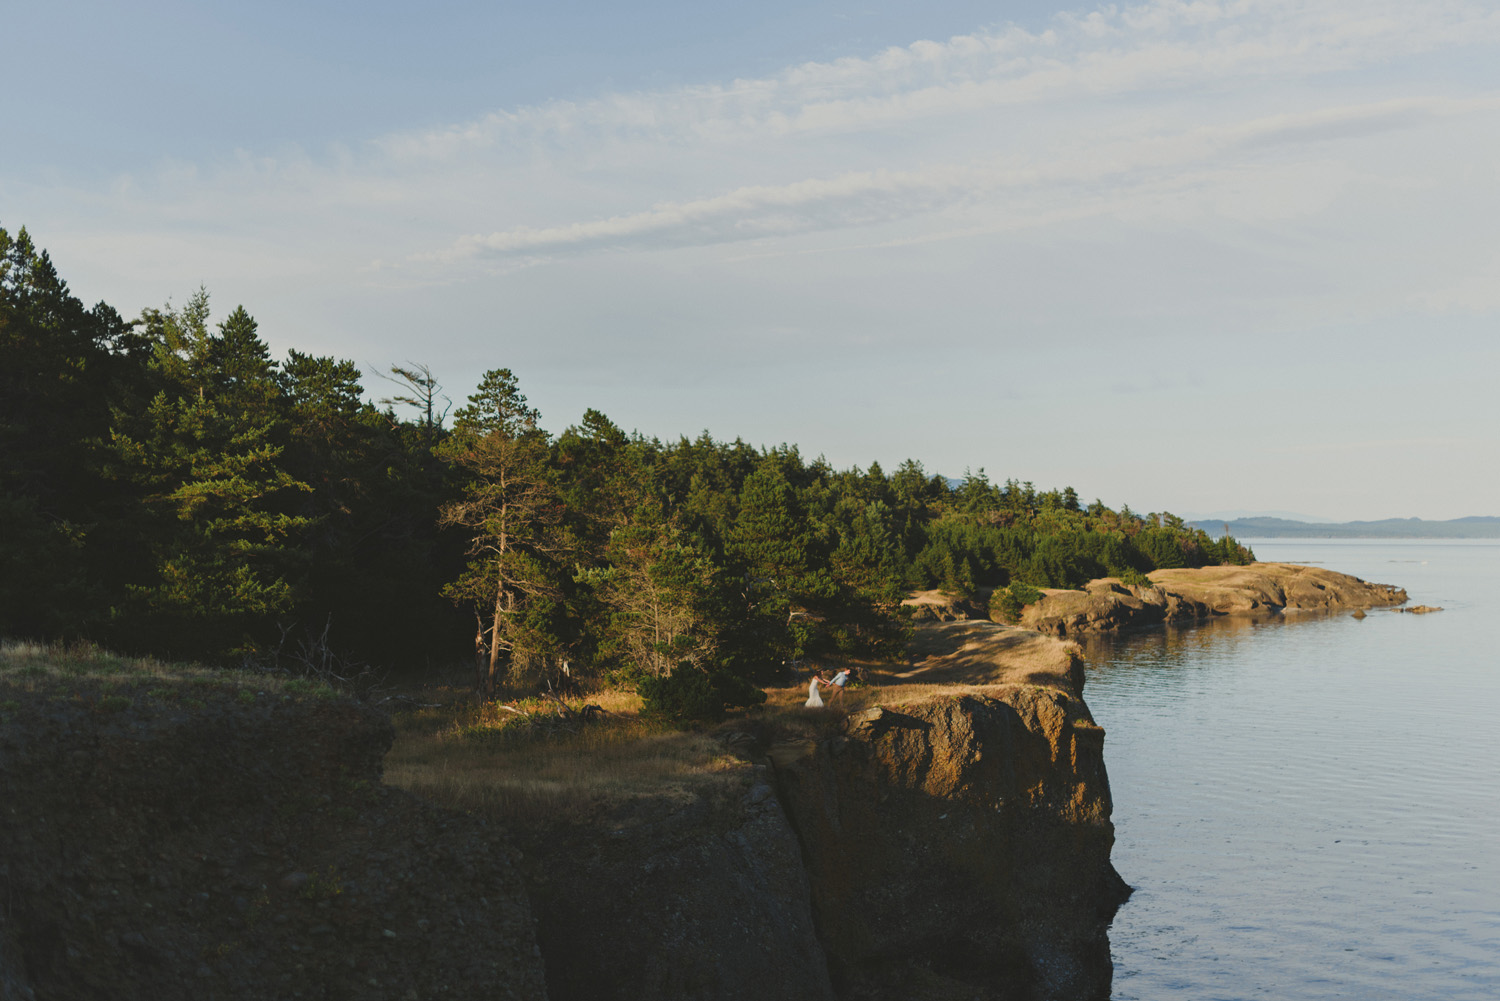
(532, 770)
(528, 769)
(525, 767)
(84, 667)
(786, 714)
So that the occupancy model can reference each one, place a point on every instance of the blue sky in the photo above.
(1190, 256)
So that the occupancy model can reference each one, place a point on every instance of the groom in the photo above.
(837, 684)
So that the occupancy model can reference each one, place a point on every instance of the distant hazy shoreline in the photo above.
(1389, 528)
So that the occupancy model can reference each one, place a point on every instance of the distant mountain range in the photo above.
(1390, 528)
(1236, 515)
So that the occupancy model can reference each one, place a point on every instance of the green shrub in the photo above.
(1024, 593)
(1130, 575)
(1007, 602)
(628, 676)
(304, 686)
(690, 694)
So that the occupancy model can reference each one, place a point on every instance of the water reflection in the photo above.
(1171, 642)
(1307, 805)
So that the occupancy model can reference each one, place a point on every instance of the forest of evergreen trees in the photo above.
(168, 487)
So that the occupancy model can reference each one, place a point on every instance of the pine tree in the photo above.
(510, 511)
(663, 593)
(60, 365)
(216, 507)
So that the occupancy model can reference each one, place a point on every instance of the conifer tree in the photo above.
(60, 364)
(206, 456)
(663, 594)
(510, 510)
(784, 562)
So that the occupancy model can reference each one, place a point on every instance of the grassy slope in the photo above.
(111, 682)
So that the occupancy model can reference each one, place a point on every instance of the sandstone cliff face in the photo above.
(239, 848)
(1189, 594)
(959, 848)
(954, 845)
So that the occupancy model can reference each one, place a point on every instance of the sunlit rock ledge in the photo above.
(1186, 595)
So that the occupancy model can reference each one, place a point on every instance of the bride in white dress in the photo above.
(814, 700)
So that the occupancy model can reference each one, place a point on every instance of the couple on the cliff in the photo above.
(815, 698)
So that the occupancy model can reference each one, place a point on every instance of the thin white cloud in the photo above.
(865, 197)
(1113, 51)
(1097, 106)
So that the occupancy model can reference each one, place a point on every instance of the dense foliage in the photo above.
(167, 486)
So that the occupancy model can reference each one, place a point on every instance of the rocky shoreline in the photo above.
(222, 842)
(1189, 595)
(214, 841)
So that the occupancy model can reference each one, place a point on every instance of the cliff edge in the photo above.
(203, 837)
(958, 846)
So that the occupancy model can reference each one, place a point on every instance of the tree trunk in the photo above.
(495, 639)
(479, 678)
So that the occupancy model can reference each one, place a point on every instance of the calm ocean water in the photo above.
(1310, 807)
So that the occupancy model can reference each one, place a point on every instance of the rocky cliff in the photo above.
(958, 847)
(953, 843)
(202, 839)
(1180, 596)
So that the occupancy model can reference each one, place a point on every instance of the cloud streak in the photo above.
(863, 197)
(1111, 52)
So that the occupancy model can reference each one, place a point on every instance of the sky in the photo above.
(1189, 256)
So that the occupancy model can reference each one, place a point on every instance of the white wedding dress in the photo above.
(814, 700)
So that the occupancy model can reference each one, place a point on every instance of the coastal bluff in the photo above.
(1186, 595)
(958, 846)
(950, 841)
(945, 837)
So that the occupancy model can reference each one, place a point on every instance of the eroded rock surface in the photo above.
(959, 847)
(1179, 596)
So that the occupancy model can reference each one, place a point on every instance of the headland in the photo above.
(942, 831)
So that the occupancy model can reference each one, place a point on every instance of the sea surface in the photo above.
(1309, 807)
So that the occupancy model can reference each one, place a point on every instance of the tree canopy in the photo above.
(168, 486)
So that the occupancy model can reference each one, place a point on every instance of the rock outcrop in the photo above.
(1180, 596)
(952, 845)
(939, 606)
(959, 847)
(234, 844)
(211, 841)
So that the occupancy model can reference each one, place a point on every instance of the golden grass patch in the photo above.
(524, 765)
